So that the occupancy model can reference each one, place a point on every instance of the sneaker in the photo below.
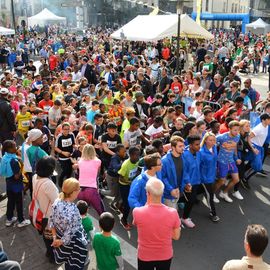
(262, 173)
(188, 223)
(125, 225)
(237, 195)
(10, 222)
(24, 223)
(244, 183)
(215, 199)
(214, 218)
(225, 197)
(114, 208)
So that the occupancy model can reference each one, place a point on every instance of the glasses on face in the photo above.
(67, 129)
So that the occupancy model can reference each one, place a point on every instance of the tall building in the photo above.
(5, 11)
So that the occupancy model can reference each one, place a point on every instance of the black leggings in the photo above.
(189, 198)
(124, 191)
(154, 265)
(66, 167)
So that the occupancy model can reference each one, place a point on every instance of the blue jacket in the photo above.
(169, 177)
(191, 171)
(208, 165)
(137, 194)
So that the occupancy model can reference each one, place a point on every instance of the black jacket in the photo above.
(7, 119)
(90, 75)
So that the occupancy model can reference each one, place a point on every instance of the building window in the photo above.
(235, 9)
(3, 4)
(232, 10)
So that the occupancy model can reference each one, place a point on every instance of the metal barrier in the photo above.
(214, 105)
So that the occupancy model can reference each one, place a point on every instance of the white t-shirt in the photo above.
(260, 133)
(152, 132)
(133, 138)
(26, 163)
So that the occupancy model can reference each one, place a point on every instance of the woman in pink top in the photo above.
(89, 166)
(157, 225)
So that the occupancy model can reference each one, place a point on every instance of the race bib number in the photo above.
(133, 141)
(66, 142)
(132, 173)
(111, 144)
(45, 138)
(46, 108)
(176, 89)
(25, 124)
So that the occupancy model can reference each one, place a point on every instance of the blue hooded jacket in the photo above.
(191, 171)
(169, 176)
(137, 194)
(208, 164)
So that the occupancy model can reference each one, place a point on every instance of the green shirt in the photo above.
(208, 67)
(87, 225)
(35, 153)
(128, 171)
(106, 249)
(125, 126)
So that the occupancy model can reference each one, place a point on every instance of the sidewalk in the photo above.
(25, 245)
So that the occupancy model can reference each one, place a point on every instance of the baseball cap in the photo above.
(4, 91)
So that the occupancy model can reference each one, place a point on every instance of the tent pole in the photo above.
(13, 15)
(178, 36)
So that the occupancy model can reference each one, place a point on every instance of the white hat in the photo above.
(4, 91)
(34, 134)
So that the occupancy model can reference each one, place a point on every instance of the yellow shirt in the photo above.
(59, 96)
(24, 121)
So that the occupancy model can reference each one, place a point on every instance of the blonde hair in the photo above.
(88, 152)
(69, 186)
(206, 135)
(243, 122)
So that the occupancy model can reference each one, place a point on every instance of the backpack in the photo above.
(35, 214)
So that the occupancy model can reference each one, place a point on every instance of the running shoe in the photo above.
(188, 223)
(11, 222)
(244, 183)
(24, 223)
(125, 225)
(114, 208)
(215, 199)
(237, 195)
(214, 218)
(262, 173)
(225, 197)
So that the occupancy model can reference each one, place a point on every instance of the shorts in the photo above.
(225, 169)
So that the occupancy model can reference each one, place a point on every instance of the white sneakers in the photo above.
(215, 199)
(188, 223)
(225, 197)
(11, 222)
(24, 223)
(237, 195)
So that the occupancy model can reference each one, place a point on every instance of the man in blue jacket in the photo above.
(137, 194)
(172, 171)
(191, 177)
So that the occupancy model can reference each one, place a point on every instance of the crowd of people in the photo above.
(128, 132)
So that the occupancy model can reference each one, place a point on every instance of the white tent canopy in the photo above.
(6, 31)
(258, 27)
(43, 17)
(153, 28)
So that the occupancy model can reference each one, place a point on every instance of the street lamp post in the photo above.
(13, 14)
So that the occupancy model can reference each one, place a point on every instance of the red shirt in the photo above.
(45, 105)
(53, 62)
(223, 128)
(155, 224)
(218, 115)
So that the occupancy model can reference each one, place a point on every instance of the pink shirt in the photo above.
(155, 224)
(88, 170)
